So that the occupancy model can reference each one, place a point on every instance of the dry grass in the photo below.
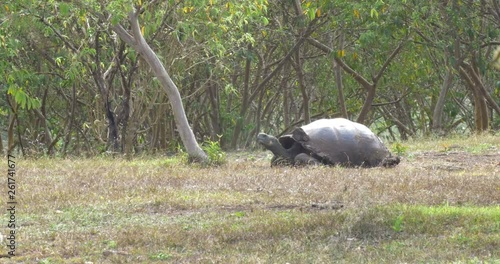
(441, 204)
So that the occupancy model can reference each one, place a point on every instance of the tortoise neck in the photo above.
(280, 151)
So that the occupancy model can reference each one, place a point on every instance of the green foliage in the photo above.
(22, 99)
(47, 261)
(111, 244)
(398, 224)
(399, 149)
(160, 256)
(239, 214)
(216, 156)
(50, 47)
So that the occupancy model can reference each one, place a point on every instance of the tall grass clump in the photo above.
(216, 156)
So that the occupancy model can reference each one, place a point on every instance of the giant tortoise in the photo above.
(335, 141)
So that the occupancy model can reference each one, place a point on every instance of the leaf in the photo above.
(188, 9)
(311, 14)
(265, 21)
(115, 20)
(64, 9)
(239, 214)
(20, 98)
(356, 13)
(58, 61)
(373, 13)
(496, 58)
(35, 103)
(398, 223)
(341, 53)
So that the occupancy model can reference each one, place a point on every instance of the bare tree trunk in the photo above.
(297, 65)
(476, 78)
(124, 118)
(215, 116)
(480, 110)
(1, 145)
(124, 115)
(337, 71)
(367, 105)
(47, 135)
(286, 95)
(128, 141)
(437, 116)
(103, 86)
(245, 102)
(10, 131)
(71, 117)
(10, 134)
(137, 41)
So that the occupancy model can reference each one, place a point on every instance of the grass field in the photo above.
(440, 205)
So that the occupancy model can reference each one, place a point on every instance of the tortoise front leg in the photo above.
(304, 159)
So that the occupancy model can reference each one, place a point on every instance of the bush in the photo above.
(216, 156)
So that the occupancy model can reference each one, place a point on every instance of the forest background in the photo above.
(70, 84)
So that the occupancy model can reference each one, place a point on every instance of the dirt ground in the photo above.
(456, 160)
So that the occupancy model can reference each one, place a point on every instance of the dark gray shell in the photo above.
(339, 141)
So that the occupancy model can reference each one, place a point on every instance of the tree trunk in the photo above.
(480, 110)
(367, 105)
(1, 145)
(297, 65)
(10, 127)
(476, 78)
(71, 117)
(437, 116)
(125, 113)
(137, 41)
(10, 134)
(215, 117)
(124, 118)
(47, 135)
(337, 71)
(99, 78)
(245, 102)
(286, 95)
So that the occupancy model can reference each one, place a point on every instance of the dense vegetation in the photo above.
(70, 84)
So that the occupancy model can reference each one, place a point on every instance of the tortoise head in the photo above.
(273, 144)
(268, 141)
